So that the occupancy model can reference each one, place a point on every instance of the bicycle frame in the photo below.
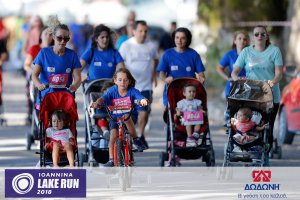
(123, 155)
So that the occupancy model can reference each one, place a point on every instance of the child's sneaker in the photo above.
(237, 149)
(190, 142)
(198, 137)
(109, 163)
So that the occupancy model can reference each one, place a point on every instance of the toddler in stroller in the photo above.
(189, 107)
(246, 130)
(59, 138)
(58, 147)
(177, 133)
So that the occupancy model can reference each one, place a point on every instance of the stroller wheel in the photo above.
(210, 158)
(163, 156)
(29, 141)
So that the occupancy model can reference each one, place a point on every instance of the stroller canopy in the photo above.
(251, 93)
(55, 101)
(95, 85)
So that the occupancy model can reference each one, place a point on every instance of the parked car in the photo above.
(289, 110)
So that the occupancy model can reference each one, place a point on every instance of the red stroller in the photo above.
(176, 133)
(51, 102)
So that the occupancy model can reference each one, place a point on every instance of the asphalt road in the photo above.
(12, 136)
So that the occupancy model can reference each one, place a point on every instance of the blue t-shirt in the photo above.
(112, 97)
(261, 65)
(102, 63)
(180, 64)
(120, 40)
(54, 64)
(228, 60)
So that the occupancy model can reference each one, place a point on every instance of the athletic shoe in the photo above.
(191, 142)
(109, 163)
(137, 144)
(145, 143)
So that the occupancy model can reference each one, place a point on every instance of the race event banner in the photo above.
(45, 183)
(213, 183)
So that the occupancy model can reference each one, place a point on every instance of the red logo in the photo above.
(261, 175)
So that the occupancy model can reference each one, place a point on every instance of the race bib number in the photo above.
(192, 118)
(122, 102)
(58, 80)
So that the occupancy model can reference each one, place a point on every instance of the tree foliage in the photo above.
(218, 13)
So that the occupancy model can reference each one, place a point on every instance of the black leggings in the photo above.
(272, 121)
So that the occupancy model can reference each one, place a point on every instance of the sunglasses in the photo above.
(61, 38)
(261, 34)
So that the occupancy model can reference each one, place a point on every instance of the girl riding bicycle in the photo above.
(123, 92)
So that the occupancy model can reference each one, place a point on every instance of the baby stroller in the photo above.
(176, 133)
(51, 102)
(256, 95)
(96, 146)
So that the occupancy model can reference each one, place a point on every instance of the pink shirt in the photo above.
(59, 135)
(244, 126)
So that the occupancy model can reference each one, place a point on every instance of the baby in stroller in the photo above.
(246, 130)
(189, 104)
(59, 138)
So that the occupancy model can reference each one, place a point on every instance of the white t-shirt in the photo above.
(61, 135)
(189, 105)
(138, 60)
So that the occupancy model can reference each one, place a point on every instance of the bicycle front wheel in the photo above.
(119, 153)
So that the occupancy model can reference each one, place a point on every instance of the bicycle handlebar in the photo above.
(119, 109)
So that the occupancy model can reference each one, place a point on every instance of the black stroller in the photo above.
(176, 133)
(256, 95)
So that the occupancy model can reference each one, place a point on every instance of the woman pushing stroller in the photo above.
(262, 61)
(57, 64)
